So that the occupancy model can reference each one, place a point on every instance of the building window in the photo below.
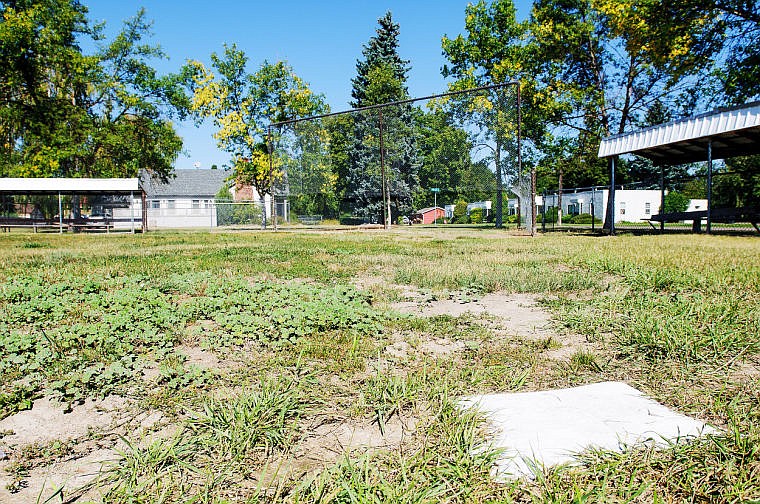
(622, 208)
(647, 208)
(155, 204)
(171, 203)
(196, 203)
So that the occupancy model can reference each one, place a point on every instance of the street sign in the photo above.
(435, 189)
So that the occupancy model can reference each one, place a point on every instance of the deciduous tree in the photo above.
(66, 113)
(242, 105)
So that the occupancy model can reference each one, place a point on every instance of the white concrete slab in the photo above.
(553, 426)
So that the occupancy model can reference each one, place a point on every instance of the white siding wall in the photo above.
(181, 213)
(122, 217)
(635, 205)
(631, 205)
(579, 202)
(167, 213)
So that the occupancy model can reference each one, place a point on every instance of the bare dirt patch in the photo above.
(329, 439)
(747, 371)
(513, 315)
(197, 356)
(69, 475)
(45, 424)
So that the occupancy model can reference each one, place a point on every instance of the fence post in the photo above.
(60, 214)
(611, 202)
(543, 214)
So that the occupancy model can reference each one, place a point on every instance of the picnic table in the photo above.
(723, 215)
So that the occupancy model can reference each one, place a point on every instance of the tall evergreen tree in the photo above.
(381, 78)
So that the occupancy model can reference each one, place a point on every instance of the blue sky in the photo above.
(320, 40)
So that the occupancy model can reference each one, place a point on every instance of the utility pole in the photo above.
(386, 196)
(435, 191)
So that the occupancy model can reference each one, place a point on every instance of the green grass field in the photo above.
(292, 330)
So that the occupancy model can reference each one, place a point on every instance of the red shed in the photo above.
(429, 215)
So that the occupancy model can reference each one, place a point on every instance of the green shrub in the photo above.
(676, 202)
(476, 216)
(550, 216)
(584, 218)
(460, 212)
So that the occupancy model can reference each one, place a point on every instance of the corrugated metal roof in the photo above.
(68, 185)
(185, 183)
(733, 131)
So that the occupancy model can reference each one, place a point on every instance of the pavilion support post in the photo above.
(662, 196)
(708, 229)
(609, 221)
(132, 210)
(60, 214)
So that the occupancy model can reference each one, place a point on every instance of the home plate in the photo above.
(550, 427)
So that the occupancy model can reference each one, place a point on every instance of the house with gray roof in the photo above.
(185, 200)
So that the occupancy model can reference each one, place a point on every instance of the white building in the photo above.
(631, 205)
(483, 205)
(186, 200)
(449, 209)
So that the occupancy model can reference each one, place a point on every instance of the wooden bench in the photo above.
(6, 224)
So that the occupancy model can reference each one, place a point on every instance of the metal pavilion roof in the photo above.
(733, 131)
(69, 185)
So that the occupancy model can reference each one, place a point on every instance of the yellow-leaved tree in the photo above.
(242, 105)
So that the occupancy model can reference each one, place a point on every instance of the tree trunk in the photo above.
(263, 212)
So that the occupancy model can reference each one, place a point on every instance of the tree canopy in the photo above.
(242, 105)
(67, 113)
(381, 78)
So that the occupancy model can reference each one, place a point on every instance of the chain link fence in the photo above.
(446, 159)
(677, 204)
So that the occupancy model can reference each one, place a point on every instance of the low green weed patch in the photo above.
(80, 337)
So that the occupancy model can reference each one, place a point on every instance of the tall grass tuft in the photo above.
(256, 420)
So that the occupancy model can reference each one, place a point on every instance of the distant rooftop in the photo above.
(185, 183)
